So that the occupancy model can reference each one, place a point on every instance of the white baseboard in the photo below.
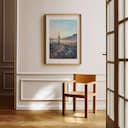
(100, 105)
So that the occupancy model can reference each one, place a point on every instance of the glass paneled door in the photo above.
(123, 63)
(110, 63)
(117, 63)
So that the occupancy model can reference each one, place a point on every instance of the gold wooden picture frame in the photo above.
(63, 38)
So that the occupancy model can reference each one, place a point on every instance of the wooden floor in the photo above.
(50, 119)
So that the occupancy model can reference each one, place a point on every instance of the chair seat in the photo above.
(78, 94)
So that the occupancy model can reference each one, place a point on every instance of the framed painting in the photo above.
(63, 38)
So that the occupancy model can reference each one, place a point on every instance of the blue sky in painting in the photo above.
(63, 27)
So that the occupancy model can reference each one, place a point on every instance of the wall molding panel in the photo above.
(44, 92)
(37, 85)
(5, 73)
(3, 31)
(6, 34)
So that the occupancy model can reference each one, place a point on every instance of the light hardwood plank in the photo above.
(50, 119)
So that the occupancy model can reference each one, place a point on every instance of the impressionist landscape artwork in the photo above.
(62, 39)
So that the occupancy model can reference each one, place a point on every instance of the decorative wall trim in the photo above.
(40, 73)
(43, 80)
(4, 81)
(4, 37)
(55, 73)
(17, 34)
(22, 99)
(3, 30)
(100, 77)
(7, 67)
(7, 94)
(26, 103)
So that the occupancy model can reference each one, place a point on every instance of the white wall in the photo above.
(30, 48)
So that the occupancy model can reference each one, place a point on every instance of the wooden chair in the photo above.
(88, 80)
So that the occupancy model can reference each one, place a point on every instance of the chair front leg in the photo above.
(94, 98)
(74, 104)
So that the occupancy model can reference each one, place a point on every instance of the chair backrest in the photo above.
(84, 78)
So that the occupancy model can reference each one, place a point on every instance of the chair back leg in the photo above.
(63, 100)
(74, 99)
(86, 101)
(94, 104)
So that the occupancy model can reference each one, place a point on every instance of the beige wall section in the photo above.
(30, 43)
(31, 31)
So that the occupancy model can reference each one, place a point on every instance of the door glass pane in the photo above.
(111, 47)
(121, 113)
(121, 41)
(121, 78)
(111, 76)
(126, 39)
(111, 97)
(108, 45)
(126, 8)
(111, 14)
(108, 18)
(108, 76)
(126, 81)
(108, 103)
(126, 114)
(121, 9)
